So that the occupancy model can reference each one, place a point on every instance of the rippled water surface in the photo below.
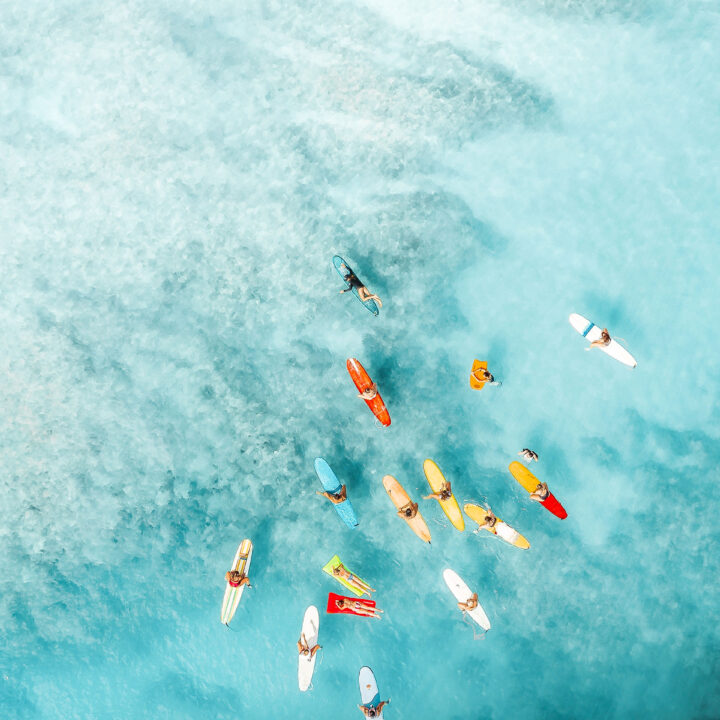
(175, 180)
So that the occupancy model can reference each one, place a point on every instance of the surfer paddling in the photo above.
(304, 647)
(470, 604)
(408, 511)
(354, 283)
(603, 341)
(445, 493)
(370, 711)
(369, 393)
(489, 522)
(335, 498)
(236, 579)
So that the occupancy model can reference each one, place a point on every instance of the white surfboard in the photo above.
(233, 594)
(306, 664)
(369, 693)
(592, 332)
(462, 593)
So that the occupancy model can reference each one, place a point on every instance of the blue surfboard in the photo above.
(332, 485)
(344, 271)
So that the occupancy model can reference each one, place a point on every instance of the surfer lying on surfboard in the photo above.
(408, 511)
(354, 282)
(445, 493)
(304, 648)
(358, 607)
(489, 521)
(370, 393)
(342, 572)
(602, 341)
(335, 498)
(541, 492)
(236, 579)
(372, 712)
(470, 604)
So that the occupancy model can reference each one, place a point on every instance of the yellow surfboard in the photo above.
(477, 365)
(400, 499)
(502, 530)
(450, 507)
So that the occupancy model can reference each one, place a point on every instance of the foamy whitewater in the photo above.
(176, 178)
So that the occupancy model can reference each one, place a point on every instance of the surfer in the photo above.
(602, 341)
(445, 493)
(372, 712)
(483, 375)
(489, 521)
(470, 604)
(236, 579)
(541, 492)
(528, 454)
(335, 498)
(370, 393)
(305, 649)
(358, 607)
(342, 572)
(354, 282)
(408, 511)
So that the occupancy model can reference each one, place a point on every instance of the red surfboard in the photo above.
(332, 608)
(363, 382)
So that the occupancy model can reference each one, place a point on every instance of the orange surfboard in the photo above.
(363, 382)
(474, 383)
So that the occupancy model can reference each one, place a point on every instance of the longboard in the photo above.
(501, 529)
(477, 365)
(233, 594)
(530, 483)
(363, 382)
(591, 332)
(306, 664)
(400, 499)
(333, 486)
(450, 507)
(332, 564)
(458, 587)
(345, 272)
(369, 693)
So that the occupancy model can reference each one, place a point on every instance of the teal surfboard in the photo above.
(332, 485)
(344, 270)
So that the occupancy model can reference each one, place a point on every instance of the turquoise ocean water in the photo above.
(176, 178)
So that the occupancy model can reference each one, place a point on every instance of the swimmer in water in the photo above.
(335, 498)
(528, 455)
(445, 493)
(353, 282)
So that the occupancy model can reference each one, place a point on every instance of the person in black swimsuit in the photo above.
(354, 282)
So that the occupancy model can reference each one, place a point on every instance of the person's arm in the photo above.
(432, 496)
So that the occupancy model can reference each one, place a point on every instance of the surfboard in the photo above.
(241, 563)
(306, 664)
(400, 499)
(369, 693)
(458, 587)
(477, 365)
(332, 564)
(345, 272)
(592, 332)
(502, 529)
(450, 507)
(530, 483)
(363, 382)
(333, 486)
